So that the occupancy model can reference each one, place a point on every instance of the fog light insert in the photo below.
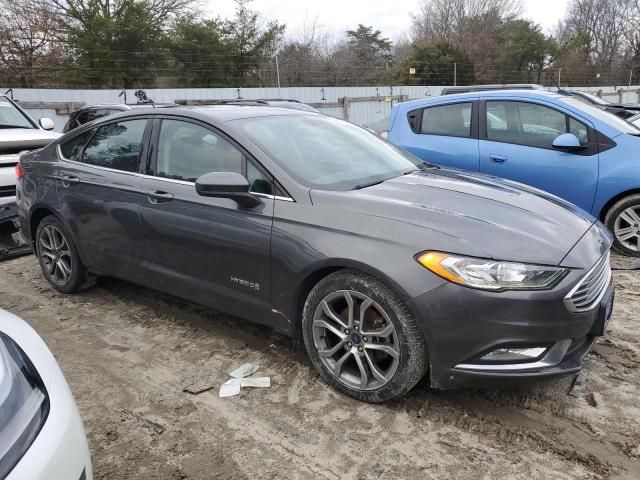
(514, 354)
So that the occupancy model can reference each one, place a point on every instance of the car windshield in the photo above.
(11, 117)
(602, 115)
(327, 153)
(594, 99)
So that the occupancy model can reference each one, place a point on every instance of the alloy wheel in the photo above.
(627, 228)
(356, 340)
(55, 254)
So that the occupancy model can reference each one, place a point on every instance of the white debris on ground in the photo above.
(232, 386)
(244, 371)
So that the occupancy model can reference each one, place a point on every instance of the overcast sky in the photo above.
(391, 16)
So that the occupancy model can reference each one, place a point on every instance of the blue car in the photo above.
(551, 141)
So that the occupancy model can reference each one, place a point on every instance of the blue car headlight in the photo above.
(24, 404)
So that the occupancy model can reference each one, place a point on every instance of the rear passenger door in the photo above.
(516, 143)
(209, 250)
(445, 134)
(99, 190)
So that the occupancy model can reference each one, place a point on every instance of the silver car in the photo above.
(18, 132)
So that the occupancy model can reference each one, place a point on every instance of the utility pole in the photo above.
(278, 75)
(630, 77)
(559, 75)
(455, 74)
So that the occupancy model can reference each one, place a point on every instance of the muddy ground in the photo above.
(127, 352)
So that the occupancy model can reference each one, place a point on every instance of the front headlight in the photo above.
(24, 404)
(491, 274)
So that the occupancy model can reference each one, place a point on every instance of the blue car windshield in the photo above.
(326, 153)
(604, 116)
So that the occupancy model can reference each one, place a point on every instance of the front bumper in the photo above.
(462, 325)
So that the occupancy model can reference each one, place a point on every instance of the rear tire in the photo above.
(58, 257)
(623, 220)
(362, 338)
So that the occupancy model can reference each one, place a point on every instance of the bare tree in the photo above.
(444, 20)
(30, 47)
(601, 26)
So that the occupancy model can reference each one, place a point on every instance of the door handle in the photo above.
(157, 196)
(68, 180)
(498, 158)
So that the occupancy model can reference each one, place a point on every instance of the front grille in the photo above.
(588, 292)
(7, 191)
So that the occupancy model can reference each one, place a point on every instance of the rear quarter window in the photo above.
(72, 150)
(453, 120)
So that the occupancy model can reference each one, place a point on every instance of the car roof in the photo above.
(223, 113)
(481, 88)
(533, 94)
(125, 106)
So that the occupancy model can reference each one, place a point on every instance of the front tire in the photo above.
(623, 220)
(58, 257)
(362, 338)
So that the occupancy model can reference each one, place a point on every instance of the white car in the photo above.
(18, 132)
(635, 120)
(41, 433)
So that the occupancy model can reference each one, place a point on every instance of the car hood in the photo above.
(472, 214)
(13, 140)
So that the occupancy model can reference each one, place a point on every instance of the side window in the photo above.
(95, 114)
(259, 183)
(451, 120)
(73, 148)
(116, 145)
(579, 129)
(186, 151)
(82, 118)
(529, 124)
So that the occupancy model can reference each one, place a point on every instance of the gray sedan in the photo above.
(386, 267)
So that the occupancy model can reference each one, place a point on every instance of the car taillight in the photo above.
(19, 172)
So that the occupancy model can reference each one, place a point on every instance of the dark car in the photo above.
(94, 112)
(623, 110)
(385, 266)
(259, 102)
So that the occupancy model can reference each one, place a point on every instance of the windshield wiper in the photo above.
(14, 126)
(365, 185)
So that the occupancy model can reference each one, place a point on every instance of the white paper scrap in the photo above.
(259, 382)
(230, 388)
(244, 371)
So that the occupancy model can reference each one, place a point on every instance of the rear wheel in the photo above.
(623, 220)
(362, 338)
(58, 257)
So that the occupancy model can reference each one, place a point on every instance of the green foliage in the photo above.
(525, 52)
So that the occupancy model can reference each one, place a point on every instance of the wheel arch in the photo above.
(38, 212)
(36, 216)
(615, 199)
(317, 272)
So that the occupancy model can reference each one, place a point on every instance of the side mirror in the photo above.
(227, 185)
(568, 142)
(46, 123)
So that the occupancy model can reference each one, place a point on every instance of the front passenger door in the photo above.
(209, 250)
(516, 143)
